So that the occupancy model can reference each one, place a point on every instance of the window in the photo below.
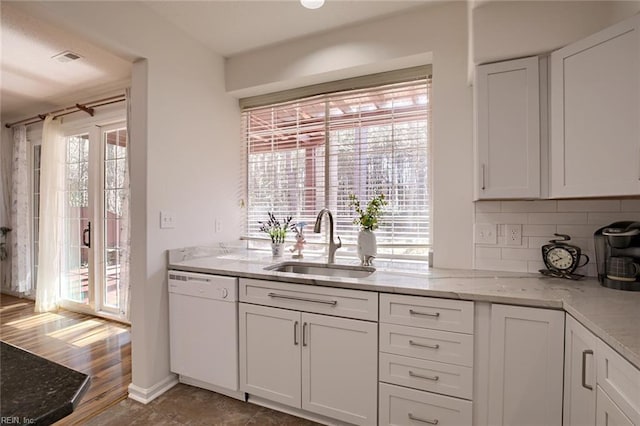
(310, 153)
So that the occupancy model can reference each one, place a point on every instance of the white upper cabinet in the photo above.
(595, 114)
(508, 130)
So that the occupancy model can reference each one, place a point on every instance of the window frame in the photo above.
(252, 104)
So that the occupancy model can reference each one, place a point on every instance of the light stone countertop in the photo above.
(612, 315)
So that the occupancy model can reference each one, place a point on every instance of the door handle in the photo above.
(584, 368)
(86, 236)
(295, 333)
(483, 183)
(423, 345)
(304, 334)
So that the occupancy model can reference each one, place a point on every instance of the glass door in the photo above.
(94, 220)
(114, 212)
(77, 268)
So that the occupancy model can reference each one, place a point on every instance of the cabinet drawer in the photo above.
(402, 406)
(309, 298)
(620, 380)
(447, 379)
(442, 346)
(427, 312)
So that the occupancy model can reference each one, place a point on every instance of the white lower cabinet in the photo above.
(426, 368)
(339, 366)
(601, 387)
(322, 364)
(579, 375)
(270, 361)
(525, 366)
(403, 406)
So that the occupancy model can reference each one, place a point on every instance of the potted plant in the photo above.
(3, 245)
(367, 219)
(277, 231)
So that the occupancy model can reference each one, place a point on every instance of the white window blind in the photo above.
(311, 153)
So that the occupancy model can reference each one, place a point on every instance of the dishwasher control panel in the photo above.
(203, 285)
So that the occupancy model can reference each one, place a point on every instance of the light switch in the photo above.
(167, 219)
(486, 233)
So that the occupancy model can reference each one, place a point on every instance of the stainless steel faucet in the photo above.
(332, 245)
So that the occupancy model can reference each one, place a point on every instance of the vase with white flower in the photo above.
(367, 219)
(277, 231)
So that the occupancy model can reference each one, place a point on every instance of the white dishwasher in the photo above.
(203, 331)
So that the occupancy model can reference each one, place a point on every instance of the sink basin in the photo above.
(326, 269)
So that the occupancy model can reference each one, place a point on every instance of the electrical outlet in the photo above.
(217, 226)
(486, 233)
(167, 220)
(513, 235)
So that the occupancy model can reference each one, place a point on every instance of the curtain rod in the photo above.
(87, 107)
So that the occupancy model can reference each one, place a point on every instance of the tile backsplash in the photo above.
(537, 221)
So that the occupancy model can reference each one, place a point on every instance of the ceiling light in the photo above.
(312, 4)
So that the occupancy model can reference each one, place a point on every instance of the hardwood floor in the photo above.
(94, 346)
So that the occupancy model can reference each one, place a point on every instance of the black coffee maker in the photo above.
(618, 255)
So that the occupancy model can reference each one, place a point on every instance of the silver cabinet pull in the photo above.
(584, 368)
(303, 299)
(295, 333)
(420, 376)
(423, 345)
(427, 421)
(483, 185)
(426, 314)
(304, 334)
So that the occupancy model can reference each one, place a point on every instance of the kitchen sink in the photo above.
(326, 269)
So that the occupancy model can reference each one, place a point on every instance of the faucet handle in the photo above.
(339, 243)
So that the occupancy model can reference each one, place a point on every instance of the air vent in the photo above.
(66, 56)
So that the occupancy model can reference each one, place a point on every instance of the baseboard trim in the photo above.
(146, 395)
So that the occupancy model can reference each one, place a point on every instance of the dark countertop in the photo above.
(36, 391)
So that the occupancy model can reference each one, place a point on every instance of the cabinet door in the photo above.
(270, 353)
(608, 413)
(508, 130)
(579, 375)
(525, 367)
(595, 114)
(340, 368)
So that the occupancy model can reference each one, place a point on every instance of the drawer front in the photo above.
(427, 312)
(402, 406)
(620, 380)
(309, 298)
(441, 346)
(446, 379)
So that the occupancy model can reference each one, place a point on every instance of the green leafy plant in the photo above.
(277, 230)
(3, 245)
(368, 218)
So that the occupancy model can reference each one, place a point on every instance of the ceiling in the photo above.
(232, 27)
(32, 82)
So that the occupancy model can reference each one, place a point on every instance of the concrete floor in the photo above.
(187, 405)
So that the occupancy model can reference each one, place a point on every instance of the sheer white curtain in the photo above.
(125, 229)
(51, 236)
(6, 149)
(20, 217)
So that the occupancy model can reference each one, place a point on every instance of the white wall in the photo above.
(436, 34)
(184, 149)
(511, 29)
